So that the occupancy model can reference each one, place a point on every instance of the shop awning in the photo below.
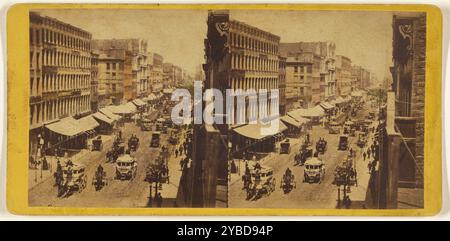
(254, 131)
(315, 111)
(296, 114)
(101, 117)
(326, 105)
(123, 109)
(66, 127)
(88, 122)
(139, 102)
(108, 113)
(291, 121)
(340, 100)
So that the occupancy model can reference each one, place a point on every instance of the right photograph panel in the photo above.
(326, 108)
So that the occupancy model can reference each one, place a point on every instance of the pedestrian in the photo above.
(158, 199)
(364, 156)
(368, 153)
(176, 153)
(181, 150)
(181, 164)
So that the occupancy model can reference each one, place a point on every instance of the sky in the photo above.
(365, 37)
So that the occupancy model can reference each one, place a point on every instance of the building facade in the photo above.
(282, 84)
(60, 72)
(94, 81)
(136, 51)
(343, 75)
(310, 72)
(113, 77)
(155, 68)
(172, 75)
(408, 74)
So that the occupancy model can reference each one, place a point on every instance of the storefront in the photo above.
(249, 140)
(66, 136)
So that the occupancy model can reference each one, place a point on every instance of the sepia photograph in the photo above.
(231, 108)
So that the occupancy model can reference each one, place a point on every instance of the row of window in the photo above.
(44, 35)
(55, 109)
(254, 83)
(58, 82)
(244, 62)
(242, 41)
(302, 69)
(58, 59)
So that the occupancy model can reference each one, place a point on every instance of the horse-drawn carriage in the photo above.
(321, 146)
(126, 167)
(70, 178)
(304, 153)
(133, 143)
(117, 149)
(285, 147)
(333, 127)
(314, 170)
(345, 174)
(97, 144)
(288, 181)
(362, 139)
(259, 181)
(146, 124)
(173, 137)
(99, 180)
(343, 142)
(157, 172)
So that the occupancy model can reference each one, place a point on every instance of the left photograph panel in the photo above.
(101, 97)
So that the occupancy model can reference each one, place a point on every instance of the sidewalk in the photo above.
(358, 193)
(170, 190)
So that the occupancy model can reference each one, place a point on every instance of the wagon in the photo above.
(288, 181)
(99, 180)
(73, 179)
(285, 147)
(261, 182)
(97, 144)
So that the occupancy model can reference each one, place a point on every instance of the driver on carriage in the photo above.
(288, 172)
(100, 170)
(69, 163)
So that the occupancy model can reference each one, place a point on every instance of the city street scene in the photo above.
(350, 109)
(345, 89)
(101, 134)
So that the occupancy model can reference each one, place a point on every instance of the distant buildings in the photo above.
(362, 77)
(310, 72)
(343, 75)
(134, 52)
(155, 68)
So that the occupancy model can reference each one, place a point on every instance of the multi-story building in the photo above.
(60, 72)
(94, 81)
(282, 84)
(238, 56)
(155, 68)
(362, 77)
(310, 72)
(172, 75)
(137, 49)
(343, 75)
(300, 84)
(115, 76)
